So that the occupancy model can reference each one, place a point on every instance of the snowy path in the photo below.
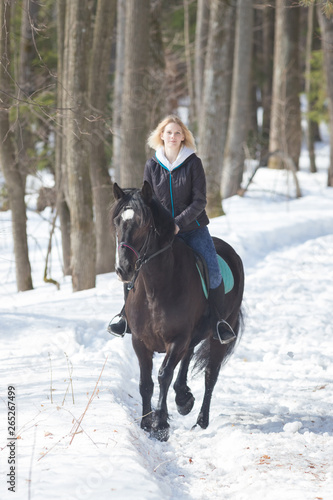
(271, 430)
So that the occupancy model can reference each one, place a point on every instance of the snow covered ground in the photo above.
(77, 400)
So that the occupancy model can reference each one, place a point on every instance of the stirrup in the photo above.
(227, 336)
(118, 328)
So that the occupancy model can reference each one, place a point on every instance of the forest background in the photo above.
(82, 82)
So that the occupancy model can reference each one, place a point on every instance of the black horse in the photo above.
(166, 308)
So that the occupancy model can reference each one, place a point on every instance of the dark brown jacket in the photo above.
(182, 191)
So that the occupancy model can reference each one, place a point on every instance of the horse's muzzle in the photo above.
(125, 275)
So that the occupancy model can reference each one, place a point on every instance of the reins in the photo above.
(141, 261)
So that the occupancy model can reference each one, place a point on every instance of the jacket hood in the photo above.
(183, 154)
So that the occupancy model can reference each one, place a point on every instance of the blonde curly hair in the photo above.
(154, 140)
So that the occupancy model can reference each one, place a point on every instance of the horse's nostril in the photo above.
(125, 272)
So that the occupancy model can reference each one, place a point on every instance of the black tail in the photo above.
(202, 355)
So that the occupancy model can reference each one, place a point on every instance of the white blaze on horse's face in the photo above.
(127, 214)
(117, 253)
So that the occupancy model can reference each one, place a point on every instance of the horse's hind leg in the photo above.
(217, 353)
(146, 384)
(184, 397)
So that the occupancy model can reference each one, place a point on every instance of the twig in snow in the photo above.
(89, 402)
(70, 383)
(31, 463)
(51, 378)
(162, 463)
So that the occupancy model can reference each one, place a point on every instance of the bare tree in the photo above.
(268, 56)
(234, 155)
(201, 43)
(135, 94)
(118, 89)
(98, 88)
(326, 25)
(188, 58)
(76, 130)
(60, 151)
(309, 128)
(285, 130)
(8, 157)
(157, 75)
(27, 50)
(216, 93)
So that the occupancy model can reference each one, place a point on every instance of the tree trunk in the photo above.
(268, 56)
(234, 156)
(135, 94)
(188, 58)
(201, 43)
(98, 88)
(27, 49)
(285, 130)
(26, 87)
(8, 159)
(83, 243)
(157, 76)
(309, 129)
(60, 153)
(326, 26)
(118, 90)
(214, 116)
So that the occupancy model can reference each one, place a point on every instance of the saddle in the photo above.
(226, 273)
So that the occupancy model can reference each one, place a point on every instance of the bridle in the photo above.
(141, 255)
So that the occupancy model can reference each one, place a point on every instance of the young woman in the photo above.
(178, 180)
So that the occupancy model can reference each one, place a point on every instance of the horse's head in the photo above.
(134, 226)
(142, 226)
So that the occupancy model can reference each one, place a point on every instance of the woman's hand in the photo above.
(176, 229)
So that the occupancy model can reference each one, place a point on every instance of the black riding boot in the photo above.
(118, 325)
(223, 331)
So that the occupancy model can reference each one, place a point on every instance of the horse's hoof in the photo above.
(203, 422)
(146, 425)
(187, 407)
(160, 434)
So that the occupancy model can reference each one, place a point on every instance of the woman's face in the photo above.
(172, 136)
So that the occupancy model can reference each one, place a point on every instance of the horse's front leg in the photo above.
(184, 397)
(160, 428)
(146, 384)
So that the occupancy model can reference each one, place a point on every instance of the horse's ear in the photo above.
(117, 191)
(147, 192)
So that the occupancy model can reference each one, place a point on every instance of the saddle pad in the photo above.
(227, 276)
